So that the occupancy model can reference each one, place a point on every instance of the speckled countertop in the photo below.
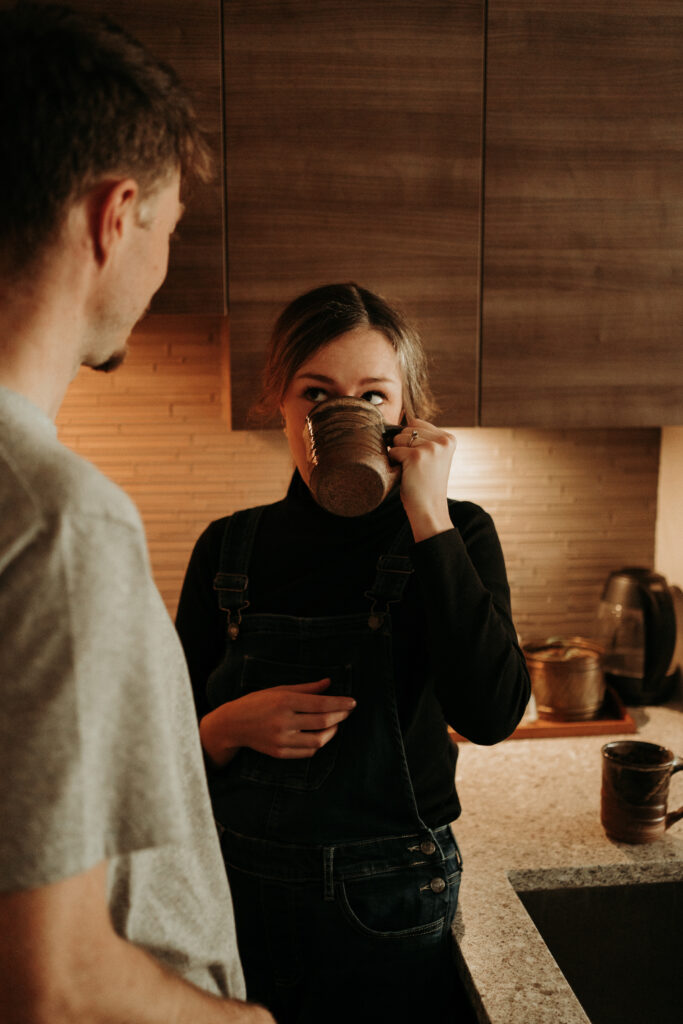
(533, 805)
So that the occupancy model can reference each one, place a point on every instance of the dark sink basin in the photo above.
(620, 946)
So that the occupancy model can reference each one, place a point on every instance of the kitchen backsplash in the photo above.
(569, 505)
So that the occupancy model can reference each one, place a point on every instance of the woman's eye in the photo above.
(374, 397)
(315, 395)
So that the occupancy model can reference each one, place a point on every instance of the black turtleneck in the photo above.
(453, 629)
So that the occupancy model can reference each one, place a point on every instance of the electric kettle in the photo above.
(636, 627)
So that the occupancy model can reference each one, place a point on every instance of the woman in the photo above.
(324, 726)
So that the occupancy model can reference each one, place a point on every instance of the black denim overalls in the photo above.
(338, 883)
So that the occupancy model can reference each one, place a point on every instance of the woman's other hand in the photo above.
(281, 721)
(425, 453)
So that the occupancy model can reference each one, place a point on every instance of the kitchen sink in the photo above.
(617, 940)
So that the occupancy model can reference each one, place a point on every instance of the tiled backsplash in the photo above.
(569, 505)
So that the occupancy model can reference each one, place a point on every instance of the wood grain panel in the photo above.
(583, 240)
(188, 37)
(353, 133)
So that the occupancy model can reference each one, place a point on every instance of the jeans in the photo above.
(355, 932)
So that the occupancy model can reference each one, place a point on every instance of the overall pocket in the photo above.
(291, 773)
(412, 902)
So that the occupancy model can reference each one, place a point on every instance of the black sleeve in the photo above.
(481, 677)
(199, 621)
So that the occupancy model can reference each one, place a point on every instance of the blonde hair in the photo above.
(323, 314)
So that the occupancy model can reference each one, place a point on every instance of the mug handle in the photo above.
(389, 433)
(674, 816)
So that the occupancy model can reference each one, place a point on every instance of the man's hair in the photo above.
(81, 100)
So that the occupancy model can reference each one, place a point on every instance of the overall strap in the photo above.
(231, 581)
(393, 572)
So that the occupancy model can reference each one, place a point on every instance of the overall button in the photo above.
(427, 846)
(437, 885)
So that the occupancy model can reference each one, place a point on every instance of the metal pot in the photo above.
(566, 678)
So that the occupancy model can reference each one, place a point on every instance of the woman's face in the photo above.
(360, 364)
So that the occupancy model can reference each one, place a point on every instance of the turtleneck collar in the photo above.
(300, 501)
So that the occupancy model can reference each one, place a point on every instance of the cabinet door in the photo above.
(188, 37)
(353, 153)
(583, 241)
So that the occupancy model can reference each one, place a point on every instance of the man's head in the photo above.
(81, 103)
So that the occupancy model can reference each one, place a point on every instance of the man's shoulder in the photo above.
(41, 478)
(43, 483)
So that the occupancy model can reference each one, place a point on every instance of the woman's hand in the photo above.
(425, 453)
(281, 721)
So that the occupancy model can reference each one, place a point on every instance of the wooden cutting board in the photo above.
(613, 718)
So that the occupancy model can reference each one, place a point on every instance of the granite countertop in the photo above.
(531, 809)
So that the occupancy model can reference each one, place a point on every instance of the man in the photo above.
(113, 900)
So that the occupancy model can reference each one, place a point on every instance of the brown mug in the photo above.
(346, 448)
(635, 790)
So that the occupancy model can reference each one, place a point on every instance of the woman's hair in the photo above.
(323, 314)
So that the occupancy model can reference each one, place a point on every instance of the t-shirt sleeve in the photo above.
(480, 674)
(86, 742)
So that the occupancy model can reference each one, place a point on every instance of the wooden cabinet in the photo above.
(188, 37)
(583, 211)
(353, 152)
(353, 137)
(358, 134)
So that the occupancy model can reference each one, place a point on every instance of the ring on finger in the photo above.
(413, 438)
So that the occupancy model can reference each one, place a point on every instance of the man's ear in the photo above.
(112, 212)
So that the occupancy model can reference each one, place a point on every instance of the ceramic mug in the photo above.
(635, 790)
(346, 448)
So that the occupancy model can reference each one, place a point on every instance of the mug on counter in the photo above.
(635, 790)
(346, 447)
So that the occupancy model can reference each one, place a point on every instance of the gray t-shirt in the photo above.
(99, 750)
